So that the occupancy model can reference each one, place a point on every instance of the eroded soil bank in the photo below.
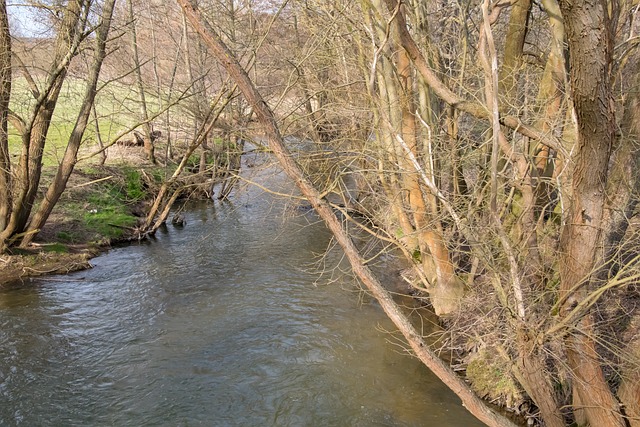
(16, 268)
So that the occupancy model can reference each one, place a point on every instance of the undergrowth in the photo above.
(104, 211)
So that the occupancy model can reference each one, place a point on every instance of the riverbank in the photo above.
(16, 268)
(103, 205)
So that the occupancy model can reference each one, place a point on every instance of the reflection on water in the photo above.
(223, 322)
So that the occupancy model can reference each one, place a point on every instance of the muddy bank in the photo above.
(17, 268)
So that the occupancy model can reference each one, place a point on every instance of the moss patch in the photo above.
(100, 205)
(490, 378)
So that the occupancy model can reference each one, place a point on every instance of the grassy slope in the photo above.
(116, 108)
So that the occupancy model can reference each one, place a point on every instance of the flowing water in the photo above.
(225, 322)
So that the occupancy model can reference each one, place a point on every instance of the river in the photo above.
(224, 322)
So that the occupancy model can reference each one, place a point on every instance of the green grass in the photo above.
(22, 103)
(109, 222)
(58, 248)
(159, 175)
(101, 212)
(116, 107)
(107, 214)
(68, 236)
(134, 186)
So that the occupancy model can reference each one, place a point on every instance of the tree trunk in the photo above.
(276, 142)
(532, 374)
(65, 169)
(590, 39)
(513, 52)
(146, 126)
(551, 98)
(5, 93)
(629, 390)
(96, 123)
(34, 133)
(448, 290)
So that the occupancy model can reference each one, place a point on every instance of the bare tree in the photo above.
(5, 93)
(146, 125)
(34, 129)
(59, 183)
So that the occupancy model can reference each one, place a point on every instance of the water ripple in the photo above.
(220, 323)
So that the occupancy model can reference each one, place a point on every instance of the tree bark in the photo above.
(146, 126)
(276, 142)
(5, 93)
(629, 390)
(513, 52)
(589, 36)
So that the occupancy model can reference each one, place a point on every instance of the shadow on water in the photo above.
(226, 321)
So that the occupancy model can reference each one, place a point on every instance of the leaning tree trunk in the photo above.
(264, 114)
(447, 290)
(590, 39)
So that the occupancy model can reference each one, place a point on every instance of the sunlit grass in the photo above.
(117, 109)
(102, 212)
